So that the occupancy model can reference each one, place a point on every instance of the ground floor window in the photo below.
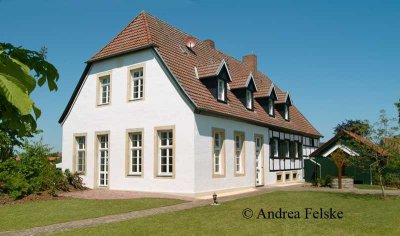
(218, 151)
(80, 155)
(103, 158)
(165, 149)
(239, 152)
(135, 153)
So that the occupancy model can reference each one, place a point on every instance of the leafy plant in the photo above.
(74, 179)
(20, 71)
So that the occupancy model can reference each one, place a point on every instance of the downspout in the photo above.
(370, 172)
(320, 167)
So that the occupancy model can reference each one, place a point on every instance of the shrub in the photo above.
(323, 182)
(31, 173)
(74, 179)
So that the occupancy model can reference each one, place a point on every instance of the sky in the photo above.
(339, 59)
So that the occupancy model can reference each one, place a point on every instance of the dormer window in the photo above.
(249, 99)
(270, 107)
(286, 112)
(221, 90)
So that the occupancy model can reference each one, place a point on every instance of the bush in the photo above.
(323, 182)
(74, 179)
(32, 172)
(392, 180)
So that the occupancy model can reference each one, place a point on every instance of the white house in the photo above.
(159, 110)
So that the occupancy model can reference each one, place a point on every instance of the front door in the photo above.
(259, 161)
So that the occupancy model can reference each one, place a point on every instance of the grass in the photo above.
(20, 216)
(372, 187)
(363, 215)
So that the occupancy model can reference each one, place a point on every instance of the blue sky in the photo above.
(339, 59)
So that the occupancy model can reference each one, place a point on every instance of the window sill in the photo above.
(103, 104)
(135, 175)
(240, 174)
(161, 176)
(218, 175)
(135, 99)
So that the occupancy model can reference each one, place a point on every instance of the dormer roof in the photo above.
(213, 70)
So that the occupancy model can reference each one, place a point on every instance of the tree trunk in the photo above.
(381, 183)
(340, 176)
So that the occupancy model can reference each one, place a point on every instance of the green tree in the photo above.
(21, 70)
(378, 155)
(360, 127)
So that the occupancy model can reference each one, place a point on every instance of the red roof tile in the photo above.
(146, 30)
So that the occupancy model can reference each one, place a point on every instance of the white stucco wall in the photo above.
(163, 105)
(204, 180)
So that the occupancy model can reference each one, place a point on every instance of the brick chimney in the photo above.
(210, 43)
(251, 61)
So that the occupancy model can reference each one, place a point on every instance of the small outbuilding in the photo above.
(321, 165)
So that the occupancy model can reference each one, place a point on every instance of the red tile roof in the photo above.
(146, 30)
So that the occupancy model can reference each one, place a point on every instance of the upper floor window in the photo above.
(286, 112)
(270, 107)
(105, 89)
(249, 99)
(137, 84)
(221, 90)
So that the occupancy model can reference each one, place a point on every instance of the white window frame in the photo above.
(286, 110)
(287, 144)
(276, 147)
(249, 99)
(137, 89)
(106, 157)
(104, 90)
(270, 107)
(135, 146)
(169, 157)
(221, 90)
(296, 149)
(218, 152)
(80, 150)
(239, 152)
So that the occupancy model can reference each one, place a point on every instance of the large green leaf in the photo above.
(13, 93)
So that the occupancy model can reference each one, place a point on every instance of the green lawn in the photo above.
(372, 187)
(20, 216)
(363, 214)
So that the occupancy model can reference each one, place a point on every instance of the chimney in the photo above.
(210, 43)
(251, 61)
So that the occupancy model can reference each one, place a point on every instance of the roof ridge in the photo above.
(147, 27)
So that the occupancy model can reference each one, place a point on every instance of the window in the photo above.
(218, 152)
(287, 176)
(294, 175)
(80, 154)
(221, 90)
(105, 86)
(299, 150)
(270, 107)
(286, 112)
(239, 152)
(285, 149)
(137, 84)
(278, 177)
(249, 99)
(135, 153)
(103, 157)
(296, 149)
(274, 147)
(165, 152)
